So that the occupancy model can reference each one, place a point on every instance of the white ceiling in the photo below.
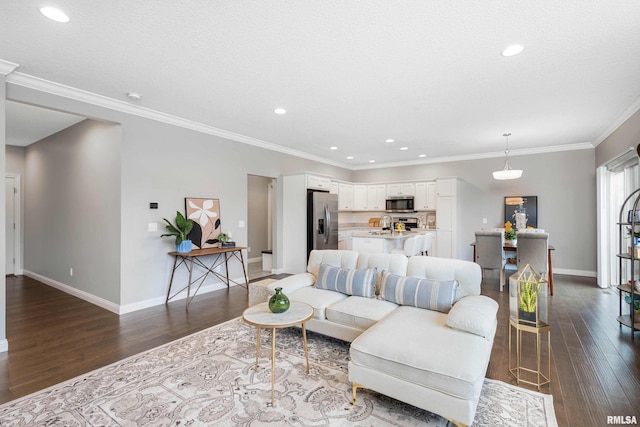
(428, 74)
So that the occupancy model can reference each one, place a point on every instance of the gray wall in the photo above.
(72, 208)
(564, 183)
(258, 214)
(165, 163)
(15, 159)
(3, 249)
(627, 135)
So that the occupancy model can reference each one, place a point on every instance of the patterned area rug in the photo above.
(209, 379)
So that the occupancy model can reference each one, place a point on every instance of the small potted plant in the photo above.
(180, 230)
(510, 234)
(528, 303)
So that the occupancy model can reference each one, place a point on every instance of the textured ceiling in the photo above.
(428, 74)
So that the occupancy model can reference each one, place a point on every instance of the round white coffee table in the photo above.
(261, 317)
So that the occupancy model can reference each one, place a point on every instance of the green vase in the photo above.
(279, 303)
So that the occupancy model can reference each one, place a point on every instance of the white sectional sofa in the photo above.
(423, 337)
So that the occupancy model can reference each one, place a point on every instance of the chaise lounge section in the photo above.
(419, 329)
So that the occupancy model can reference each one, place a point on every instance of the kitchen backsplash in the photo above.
(361, 219)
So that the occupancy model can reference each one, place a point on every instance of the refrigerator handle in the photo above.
(327, 220)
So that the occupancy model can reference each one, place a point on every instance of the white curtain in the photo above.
(616, 180)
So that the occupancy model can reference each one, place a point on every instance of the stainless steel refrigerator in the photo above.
(322, 221)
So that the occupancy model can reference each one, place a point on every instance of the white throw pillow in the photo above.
(475, 314)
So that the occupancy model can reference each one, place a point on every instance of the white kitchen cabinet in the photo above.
(425, 199)
(318, 182)
(376, 197)
(403, 189)
(359, 197)
(446, 187)
(345, 197)
(445, 226)
(335, 188)
(447, 221)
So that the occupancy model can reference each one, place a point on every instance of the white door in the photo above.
(10, 224)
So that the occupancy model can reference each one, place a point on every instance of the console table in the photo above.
(220, 256)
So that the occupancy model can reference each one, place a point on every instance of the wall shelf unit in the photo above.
(629, 258)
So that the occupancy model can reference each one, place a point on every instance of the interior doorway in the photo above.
(260, 224)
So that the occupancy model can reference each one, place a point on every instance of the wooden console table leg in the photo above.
(226, 267)
(173, 272)
(550, 273)
(189, 283)
(244, 270)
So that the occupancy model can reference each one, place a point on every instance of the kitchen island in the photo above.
(371, 242)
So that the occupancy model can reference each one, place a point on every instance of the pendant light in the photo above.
(507, 172)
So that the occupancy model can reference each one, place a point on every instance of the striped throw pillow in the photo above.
(347, 281)
(423, 293)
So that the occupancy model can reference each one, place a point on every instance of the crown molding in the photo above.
(58, 89)
(491, 155)
(628, 112)
(7, 67)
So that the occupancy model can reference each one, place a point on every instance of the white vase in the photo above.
(521, 220)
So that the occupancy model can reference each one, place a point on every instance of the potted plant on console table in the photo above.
(180, 231)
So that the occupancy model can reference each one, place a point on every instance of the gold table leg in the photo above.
(306, 350)
(257, 348)
(273, 364)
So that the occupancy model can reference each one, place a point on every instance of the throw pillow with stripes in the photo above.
(347, 281)
(423, 293)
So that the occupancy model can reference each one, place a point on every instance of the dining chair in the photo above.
(411, 246)
(533, 249)
(427, 241)
(489, 253)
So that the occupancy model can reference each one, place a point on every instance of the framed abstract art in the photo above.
(205, 214)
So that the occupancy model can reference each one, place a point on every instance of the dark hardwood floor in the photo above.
(595, 365)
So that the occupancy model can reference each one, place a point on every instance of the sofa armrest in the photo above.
(291, 284)
(475, 314)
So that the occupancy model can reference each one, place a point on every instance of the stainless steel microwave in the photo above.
(400, 204)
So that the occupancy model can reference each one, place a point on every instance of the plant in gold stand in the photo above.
(529, 285)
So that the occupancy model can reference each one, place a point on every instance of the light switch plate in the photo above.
(240, 224)
(484, 220)
(153, 226)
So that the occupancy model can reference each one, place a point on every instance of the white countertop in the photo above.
(386, 235)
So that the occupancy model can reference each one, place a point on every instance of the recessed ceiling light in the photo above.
(349, 157)
(389, 140)
(280, 111)
(333, 148)
(54, 14)
(372, 161)
(422, 155)
(512, 50)
(404, 148)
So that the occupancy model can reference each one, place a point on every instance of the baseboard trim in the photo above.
(127, 308)
(141, 305)
(252, 260)
(569, 272)
(100, 302)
